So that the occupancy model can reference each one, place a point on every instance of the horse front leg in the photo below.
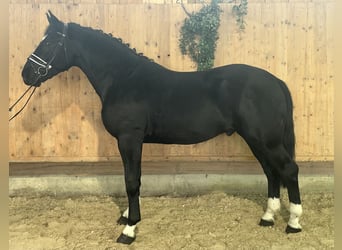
(130, 147)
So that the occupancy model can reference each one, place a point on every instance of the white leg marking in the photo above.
(125, 213)
(273, 206)
(295, 212)
(129, 231)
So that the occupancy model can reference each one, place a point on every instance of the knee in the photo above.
(132, 186)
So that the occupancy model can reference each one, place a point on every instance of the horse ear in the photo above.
(51, 17)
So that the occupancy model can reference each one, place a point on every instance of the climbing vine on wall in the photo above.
(199, 32)
(240, 11)
(198, 35)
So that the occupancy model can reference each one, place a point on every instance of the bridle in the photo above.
(41, 68)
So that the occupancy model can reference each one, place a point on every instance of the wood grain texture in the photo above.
(292, 39)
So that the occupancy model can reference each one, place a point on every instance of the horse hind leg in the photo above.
(291, 182)
(273, 182)
(273, 201)
(273, 206)
(286, 167)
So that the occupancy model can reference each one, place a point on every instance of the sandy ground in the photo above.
(212, 221)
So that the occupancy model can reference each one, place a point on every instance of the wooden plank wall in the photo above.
(290, 38)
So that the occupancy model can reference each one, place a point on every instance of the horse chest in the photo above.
(123, 117)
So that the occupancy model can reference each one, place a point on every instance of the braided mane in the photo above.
(109, 37)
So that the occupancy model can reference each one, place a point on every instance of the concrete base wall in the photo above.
(156, 185)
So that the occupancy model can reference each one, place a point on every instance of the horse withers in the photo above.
(143, 102)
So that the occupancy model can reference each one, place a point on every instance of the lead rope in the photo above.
(21, 97)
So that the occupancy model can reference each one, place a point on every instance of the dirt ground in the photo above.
(212, 221)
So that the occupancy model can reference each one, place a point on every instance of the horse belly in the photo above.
(187, 127)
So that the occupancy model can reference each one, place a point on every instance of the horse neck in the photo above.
(103, 61)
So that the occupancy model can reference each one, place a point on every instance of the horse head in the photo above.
(50, 57)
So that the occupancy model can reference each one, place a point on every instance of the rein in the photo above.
(21, 97)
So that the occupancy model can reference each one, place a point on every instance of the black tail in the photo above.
(289, 136)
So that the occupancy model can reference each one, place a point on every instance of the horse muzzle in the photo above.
(31, 77)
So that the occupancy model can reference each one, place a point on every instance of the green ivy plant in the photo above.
(199, 34)
(240, 11)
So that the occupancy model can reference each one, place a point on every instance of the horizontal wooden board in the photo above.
(157, 168)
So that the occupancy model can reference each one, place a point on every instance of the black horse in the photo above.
(143, 102)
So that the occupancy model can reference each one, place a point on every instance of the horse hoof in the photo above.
(291, 230)
(124, 239)
(266, 223)
(122, 220)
